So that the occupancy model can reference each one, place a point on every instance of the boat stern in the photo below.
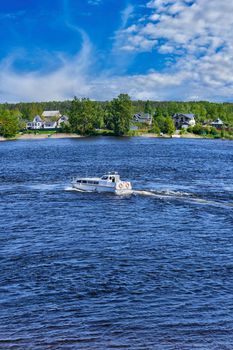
(123, 187)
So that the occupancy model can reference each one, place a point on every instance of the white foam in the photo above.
(181, 196)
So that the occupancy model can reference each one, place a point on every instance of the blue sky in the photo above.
(151, 49)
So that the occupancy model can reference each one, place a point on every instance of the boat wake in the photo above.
(70, 188)
(45, 187)
(181, 196)
(163, 194)
(167, 195)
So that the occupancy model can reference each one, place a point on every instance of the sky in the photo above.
(151, 49)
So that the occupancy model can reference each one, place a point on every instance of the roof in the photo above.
(143, 115)
(51, 114)
(37, 117)
(218, 121)
(188, 116)
(49, 122)
(64, 117)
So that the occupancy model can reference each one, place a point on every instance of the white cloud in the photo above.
(197, 34)
(70, 79)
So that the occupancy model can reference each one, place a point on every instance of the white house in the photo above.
(49, 124)
(35, 124)
(48, 120)
(144, 118)
(183, 121)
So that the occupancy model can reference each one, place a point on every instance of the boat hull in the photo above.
(101, 189)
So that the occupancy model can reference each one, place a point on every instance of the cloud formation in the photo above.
(197, 34)
(194, 37)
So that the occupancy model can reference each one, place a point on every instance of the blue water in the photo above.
(153, 270)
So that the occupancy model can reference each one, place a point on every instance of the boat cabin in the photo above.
(112, 177)
(89, 182)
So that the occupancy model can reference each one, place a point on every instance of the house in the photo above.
(35, 124)
(48, 120)
(144, 118)
(183, 121)
(62, 120)
(49, 124)
(218, 124)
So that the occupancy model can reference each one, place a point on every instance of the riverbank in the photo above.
(43, 136)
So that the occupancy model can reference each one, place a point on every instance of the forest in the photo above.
(86, 116)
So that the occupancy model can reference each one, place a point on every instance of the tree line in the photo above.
(87, 116)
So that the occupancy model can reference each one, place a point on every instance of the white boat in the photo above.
(107, 183)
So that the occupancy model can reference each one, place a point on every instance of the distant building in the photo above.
(183, 121)
(35, 124)
(48, 120)
(62, 120)
(144, 118)
(49, 124)
(218, 124)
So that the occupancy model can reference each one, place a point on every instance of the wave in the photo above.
(181, 196)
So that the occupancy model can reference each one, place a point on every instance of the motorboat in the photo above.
(107, 183)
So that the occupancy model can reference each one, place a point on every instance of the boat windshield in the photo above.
(105, 177)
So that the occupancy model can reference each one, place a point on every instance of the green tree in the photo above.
(165, 124)
(120, 112)
(155, 128)
(30, 110)
(160, 121)
(9, 123)
(148, 107)
(83, 116)
(169, 127)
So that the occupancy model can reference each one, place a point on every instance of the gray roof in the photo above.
(218, 121)
(51, 114)
(144, 116)
(37, 118)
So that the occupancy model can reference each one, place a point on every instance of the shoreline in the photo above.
(31, 137)
(41, 137)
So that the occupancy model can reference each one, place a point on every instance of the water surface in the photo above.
(153, 270)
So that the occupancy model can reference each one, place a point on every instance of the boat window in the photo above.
(78, 181)
(113, 179)
(105, 177)
(84, 181)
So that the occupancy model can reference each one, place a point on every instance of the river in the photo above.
(153, 270)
